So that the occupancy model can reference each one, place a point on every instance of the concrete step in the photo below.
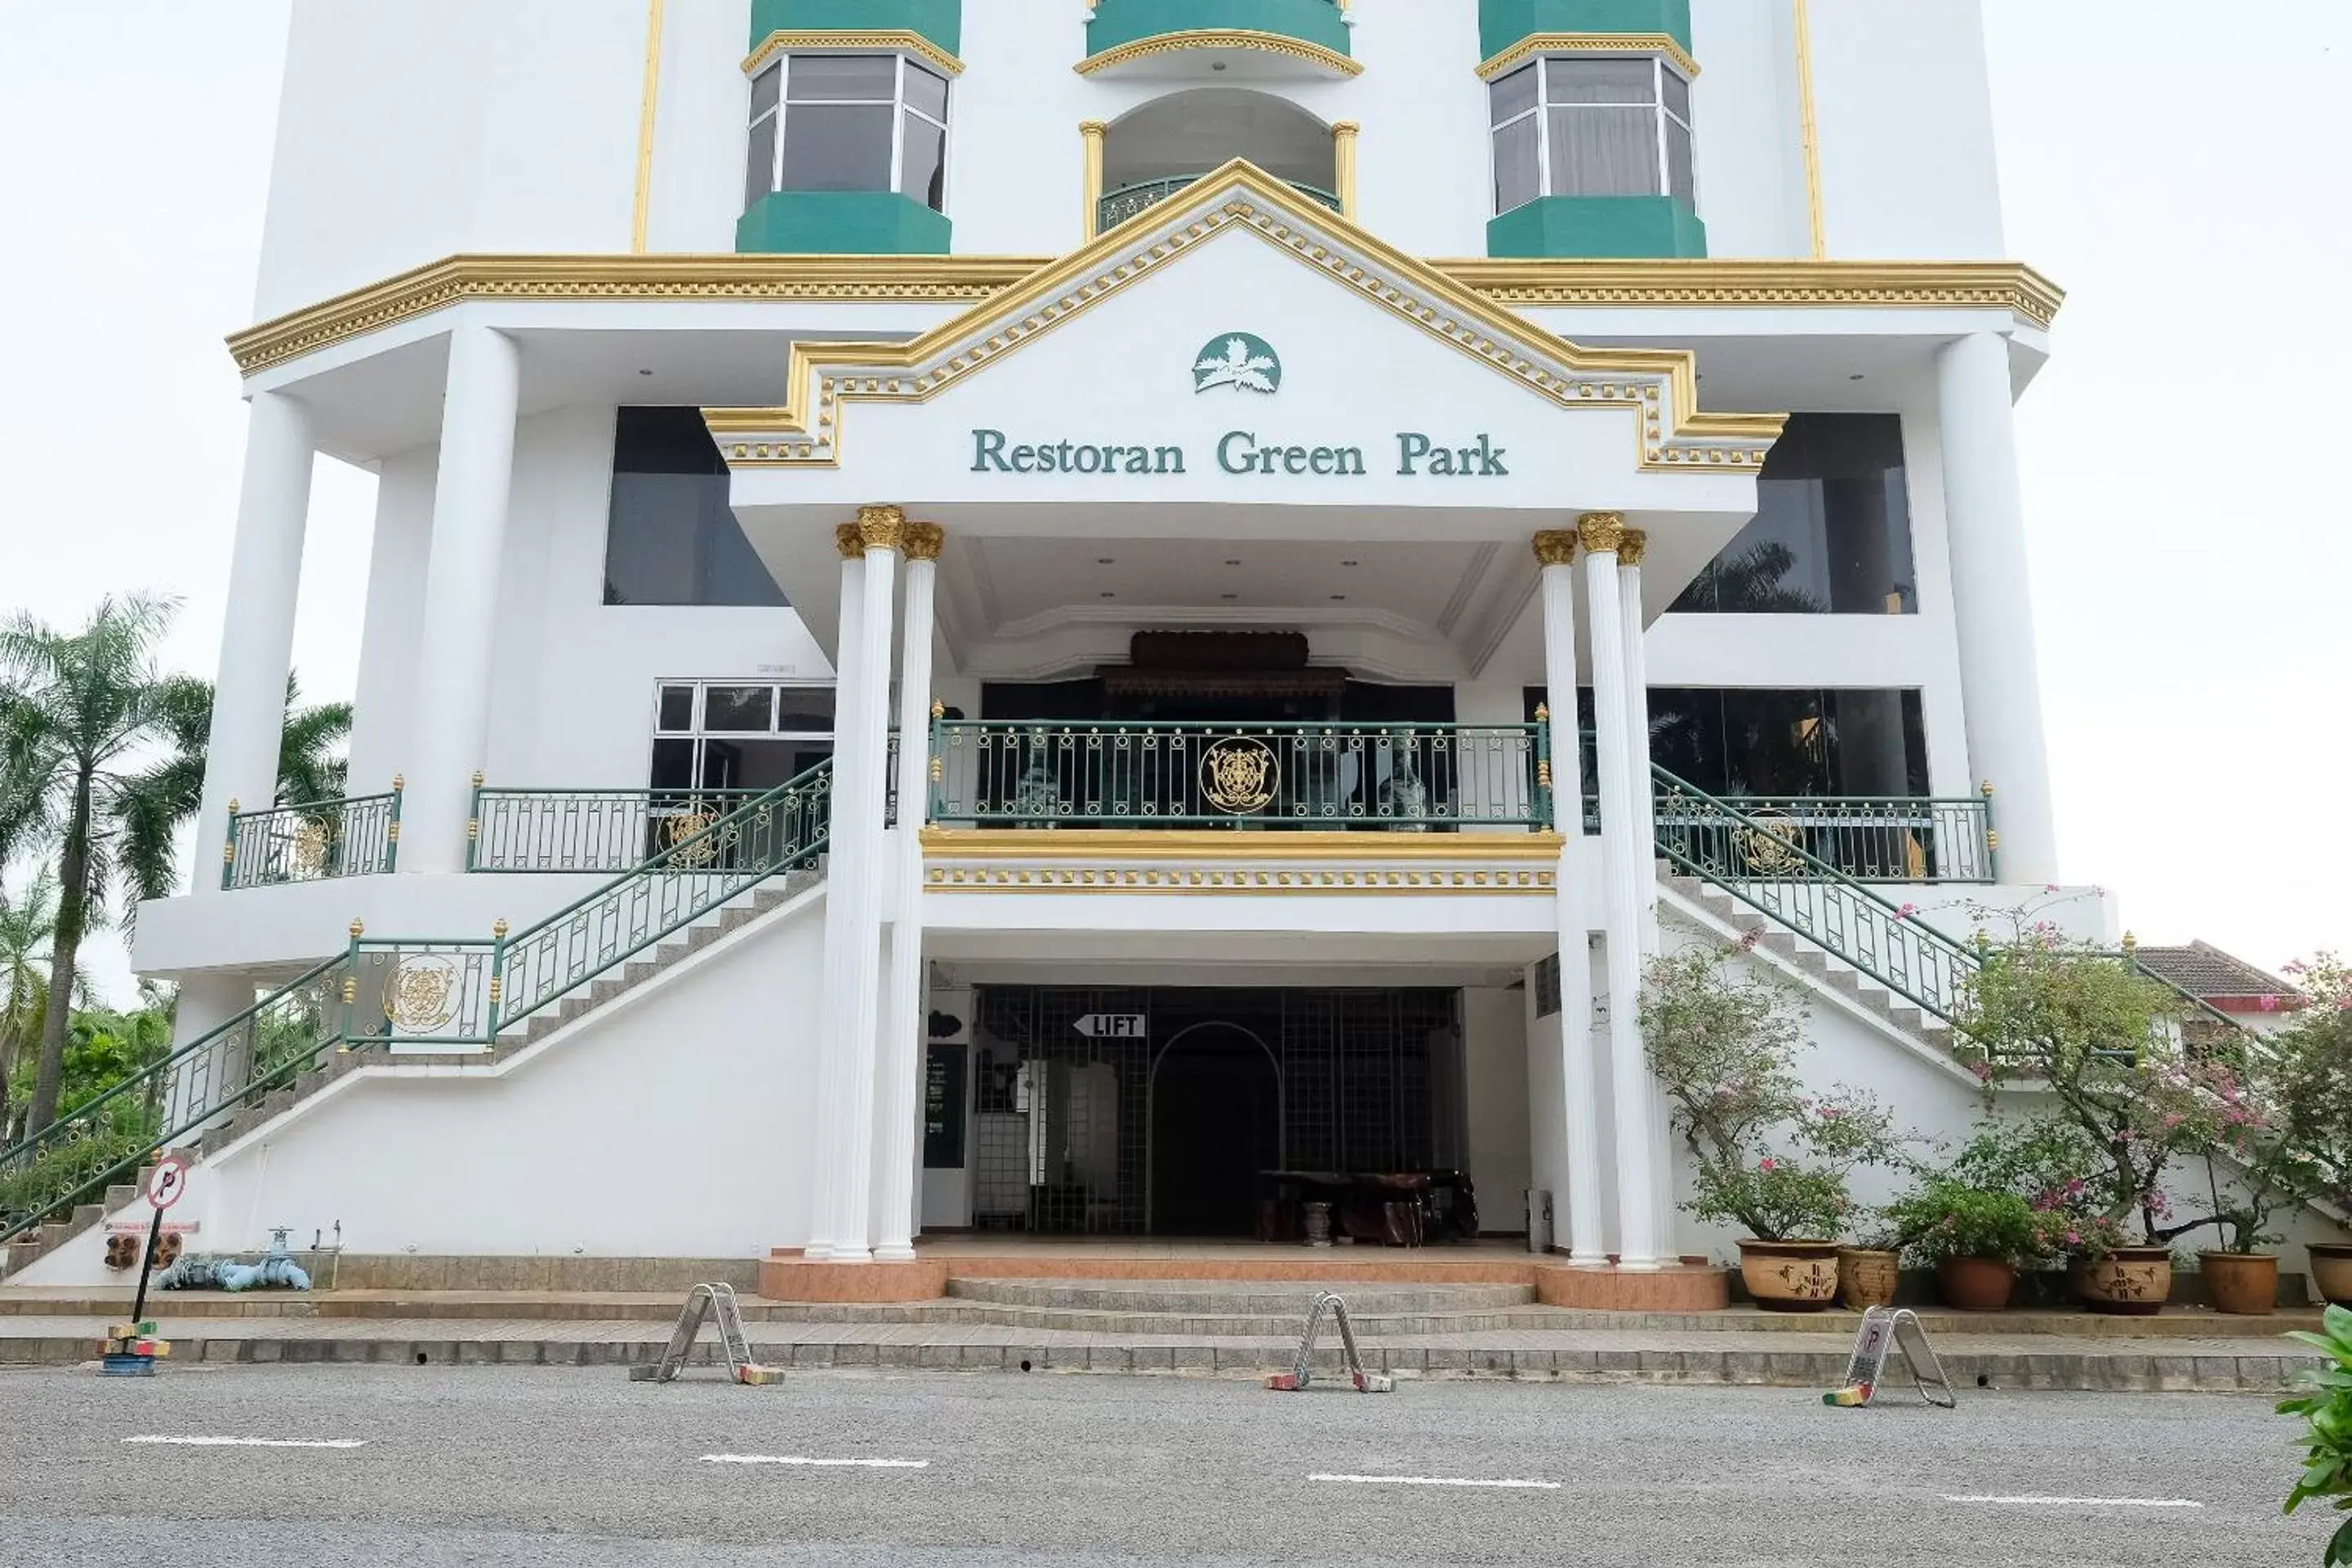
(1231, 1297)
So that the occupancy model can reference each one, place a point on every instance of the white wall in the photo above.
(676, 1121)
(1496, 1043)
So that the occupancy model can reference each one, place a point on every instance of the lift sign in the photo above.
(1110, 1025)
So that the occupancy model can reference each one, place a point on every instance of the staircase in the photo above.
(487, 1000)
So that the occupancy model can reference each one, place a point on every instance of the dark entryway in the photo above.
(1216, 1122)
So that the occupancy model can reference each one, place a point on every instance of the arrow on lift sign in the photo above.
(1110, 1025)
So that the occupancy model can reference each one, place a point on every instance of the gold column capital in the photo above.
(1555, 546)
(923, 541)
(1093, 130)
(1630, 547)
(849, 541)
(881, 527)
(1601, 532)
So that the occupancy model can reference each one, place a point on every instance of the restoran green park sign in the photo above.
(1244, 363)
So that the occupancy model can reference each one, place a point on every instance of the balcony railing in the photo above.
(1879, 838)
(588, 829)
(359, 836)
(1117, 206)
(1411, 778)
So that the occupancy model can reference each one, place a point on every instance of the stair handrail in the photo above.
(1897, 922)
(195, 1120)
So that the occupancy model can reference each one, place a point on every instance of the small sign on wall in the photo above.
(943, 1107)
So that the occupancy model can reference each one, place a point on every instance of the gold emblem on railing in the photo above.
(1239, 774)
(422, 994)
(678, 830)
(1773, 845)
(307, 848)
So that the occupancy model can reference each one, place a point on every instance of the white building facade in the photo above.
(1008, 614)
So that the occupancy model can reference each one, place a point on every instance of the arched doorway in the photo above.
(1158, 148)
(1215, 1122)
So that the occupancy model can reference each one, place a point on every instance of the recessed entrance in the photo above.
(1168, 1110)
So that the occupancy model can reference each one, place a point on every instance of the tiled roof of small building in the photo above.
(2203, 970)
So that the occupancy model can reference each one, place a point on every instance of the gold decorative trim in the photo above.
(1535, 44)
(1091, 133)
(1601, 532)
(922, 541)
(1555, 547)
(1658, 386)
(850, 540)
(1287, 883)
(1808, 131)
(895, 41)
(1220, 38)
(1343, 165)
(1792, 283)
(1230, 843)
(881, 527)
(1931, 285)
(641, 210)
(1630, 545)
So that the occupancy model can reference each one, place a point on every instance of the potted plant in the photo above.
(2103, 1044)
(1973, 1236)
(1768, 1158)
(1870, 1271)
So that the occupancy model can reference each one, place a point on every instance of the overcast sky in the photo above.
(2183, 455)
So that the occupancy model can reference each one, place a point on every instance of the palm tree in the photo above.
(77, 710)
(26, 923)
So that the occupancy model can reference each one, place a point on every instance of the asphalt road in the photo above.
(486, 1465)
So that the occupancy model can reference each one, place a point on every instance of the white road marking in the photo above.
(818, 1464)
(2083, 1501)
(1434, 1481)
(252, 1442)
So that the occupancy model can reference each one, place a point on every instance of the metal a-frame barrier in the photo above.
(699, 1303)
(1302, 1368)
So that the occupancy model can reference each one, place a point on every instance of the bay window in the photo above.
(848, 122)
(1573, 126)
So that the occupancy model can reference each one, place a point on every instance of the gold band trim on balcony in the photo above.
(1220, 38)
(897, 41)
(1231, 844)
(1535, 44)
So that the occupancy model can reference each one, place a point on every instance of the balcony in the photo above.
(312, 843)
(1117, 206)
(1240, 37)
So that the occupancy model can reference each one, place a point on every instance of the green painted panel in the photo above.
(1598, 225)
(1120, 22)
(941, 21)
(1502, 23)
(841, 222)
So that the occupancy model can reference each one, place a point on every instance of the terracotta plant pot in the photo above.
(2130, 1281)
(1790, 1276)
(2244, 1284)
(1866, 1278)
(1975, 1284)
(2331, 1271)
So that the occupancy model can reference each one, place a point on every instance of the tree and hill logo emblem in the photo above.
(1239, 360)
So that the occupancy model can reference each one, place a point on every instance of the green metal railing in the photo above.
(588, 829)
(1117, 206)
(1399, 777)
(378, 993)
(1760, 862)
(1874, 838)
(358, 836)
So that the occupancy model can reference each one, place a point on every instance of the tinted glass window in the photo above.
(836, 79)
(926, 92)
(1735, 741)
(923, 176)
(671, 538)
(837, 147)
(1833, 529)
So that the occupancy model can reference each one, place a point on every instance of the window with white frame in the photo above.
(738, 734)
(1573, 126)
(848, 122)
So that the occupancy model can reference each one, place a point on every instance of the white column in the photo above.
(1587, 1241)
(1626, 872)
(882, 529)
(898, 1081)
(452, 714)
(265, 576)
(1646, 809)
(843, 872)
(1984, 514)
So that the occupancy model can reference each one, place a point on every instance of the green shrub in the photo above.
(1945, 1218)
(2326, 1407)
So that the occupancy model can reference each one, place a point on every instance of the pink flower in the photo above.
(1767, 1163)
(2050, 886)
(1906, 911)
(2267, 1004)
(2073, 1239)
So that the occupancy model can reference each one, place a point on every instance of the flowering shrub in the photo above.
(1769, 1157)
(2286, 1112)
(2105, 1045)
(1947, 1219)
